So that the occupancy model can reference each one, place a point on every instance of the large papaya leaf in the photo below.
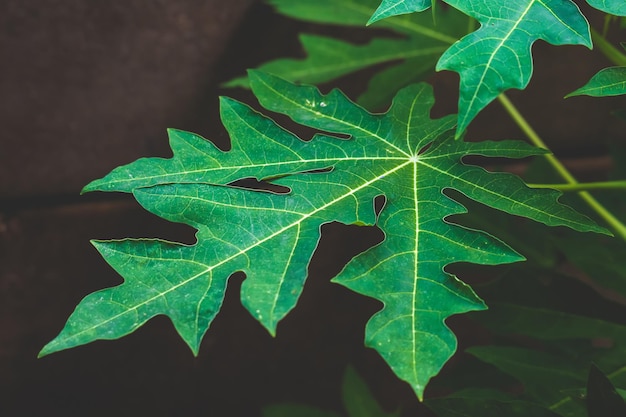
(401, 154)
(497, 56)
(409, 59)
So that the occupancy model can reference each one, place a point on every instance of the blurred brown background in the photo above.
(87, 86)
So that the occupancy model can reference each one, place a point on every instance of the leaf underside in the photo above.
(402, 154)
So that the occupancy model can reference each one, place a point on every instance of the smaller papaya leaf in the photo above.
(390, 8)
(402, 154)
(603, 400)
(607, 82)
(614, 7)
(497, 56)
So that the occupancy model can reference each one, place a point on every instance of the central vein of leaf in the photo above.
(415, 279)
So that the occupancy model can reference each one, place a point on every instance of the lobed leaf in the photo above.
(328, 58)
(402, 154)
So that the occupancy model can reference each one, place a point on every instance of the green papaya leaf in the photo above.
(497, 56)
(390, 8)
(402, 154)
(328, 58)
(615, 7)
(607, 82)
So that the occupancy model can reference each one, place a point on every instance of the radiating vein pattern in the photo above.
(401, 154)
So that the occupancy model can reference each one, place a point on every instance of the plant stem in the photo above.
(611, 52)
(605, 214)
(584, 186)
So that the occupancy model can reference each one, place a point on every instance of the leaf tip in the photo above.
(51, 347)
(372, 19)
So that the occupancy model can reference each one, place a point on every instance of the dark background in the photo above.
(87, 86)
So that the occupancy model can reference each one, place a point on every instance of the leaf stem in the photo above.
(584, 186)
(609, 51)
(605, 214)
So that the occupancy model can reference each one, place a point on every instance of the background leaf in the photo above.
(607, 82)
